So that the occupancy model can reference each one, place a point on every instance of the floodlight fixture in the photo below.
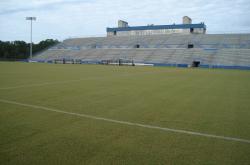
(31, 18)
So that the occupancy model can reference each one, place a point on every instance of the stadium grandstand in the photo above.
(182, 45)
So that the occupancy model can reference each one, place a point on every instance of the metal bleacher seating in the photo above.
(209, 49)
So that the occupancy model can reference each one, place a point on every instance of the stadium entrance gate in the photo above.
(196, 64)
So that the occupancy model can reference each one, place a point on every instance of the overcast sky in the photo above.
(61, 19)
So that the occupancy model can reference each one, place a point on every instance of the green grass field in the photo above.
(214, 102)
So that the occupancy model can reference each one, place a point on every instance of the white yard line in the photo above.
(128, 123)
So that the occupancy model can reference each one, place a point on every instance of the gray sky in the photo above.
(61, 19)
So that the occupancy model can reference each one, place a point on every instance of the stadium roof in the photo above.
(157, 27)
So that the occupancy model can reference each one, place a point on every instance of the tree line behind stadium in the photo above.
(18, 50)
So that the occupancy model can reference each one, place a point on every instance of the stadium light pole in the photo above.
(31, 19)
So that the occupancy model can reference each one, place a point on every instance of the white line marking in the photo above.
(69, 81)
(129, 123)
(41, 84)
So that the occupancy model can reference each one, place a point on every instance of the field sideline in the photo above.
(211, 102)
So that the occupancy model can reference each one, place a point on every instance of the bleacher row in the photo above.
(162, 41)
(209, 50)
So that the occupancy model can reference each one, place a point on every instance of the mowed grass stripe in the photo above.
(128, 123)
(76, 80)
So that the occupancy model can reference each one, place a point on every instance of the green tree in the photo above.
(17, 50)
